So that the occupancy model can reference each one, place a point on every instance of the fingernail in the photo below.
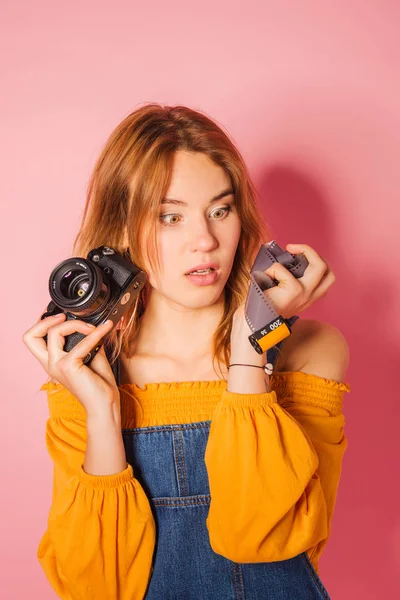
(91, 325)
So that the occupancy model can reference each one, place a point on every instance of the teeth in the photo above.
(202, 272)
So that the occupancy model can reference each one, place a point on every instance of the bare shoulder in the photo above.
(317, 348)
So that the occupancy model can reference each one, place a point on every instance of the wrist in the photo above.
(249, 358)
(108, 416)
(245, 379)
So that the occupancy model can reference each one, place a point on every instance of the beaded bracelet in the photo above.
(268, 368)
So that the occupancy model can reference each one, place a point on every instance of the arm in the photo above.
(316, 402)
(105, 451)
(267, 491)
(101, 534)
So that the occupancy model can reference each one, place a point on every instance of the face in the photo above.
(196, 230)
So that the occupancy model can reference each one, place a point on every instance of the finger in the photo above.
(284, 277)
(78, 353)
(56, 338)
(101, 366)
(33, 337)
(322, 289)
(316, 267)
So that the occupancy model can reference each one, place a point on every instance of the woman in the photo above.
(171, 481)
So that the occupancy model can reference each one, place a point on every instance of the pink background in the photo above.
(310, 93)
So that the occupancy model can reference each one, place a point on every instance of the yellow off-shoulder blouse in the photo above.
(273, 460)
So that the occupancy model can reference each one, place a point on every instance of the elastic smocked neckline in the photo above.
(178, 402)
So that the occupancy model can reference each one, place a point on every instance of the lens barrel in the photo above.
(78, 285)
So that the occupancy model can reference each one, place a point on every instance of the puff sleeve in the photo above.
(100, 536)
(272, 490)
(317, 405)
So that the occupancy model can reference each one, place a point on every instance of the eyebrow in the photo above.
(226, 192)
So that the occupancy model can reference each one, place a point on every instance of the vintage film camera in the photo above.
(93, 289)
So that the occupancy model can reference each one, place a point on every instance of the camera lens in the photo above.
(74, 284)
(78, 285)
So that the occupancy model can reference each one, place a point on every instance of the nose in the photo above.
(201, 236)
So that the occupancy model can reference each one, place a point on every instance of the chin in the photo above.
(198, 297)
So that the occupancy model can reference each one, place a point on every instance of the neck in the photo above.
(169, 330)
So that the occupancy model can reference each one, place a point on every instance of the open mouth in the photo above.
(205, 272)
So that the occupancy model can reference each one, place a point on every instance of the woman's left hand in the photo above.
(291, 295)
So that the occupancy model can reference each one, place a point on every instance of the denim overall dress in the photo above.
(168, 461)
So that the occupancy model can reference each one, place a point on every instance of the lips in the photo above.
(203, 280)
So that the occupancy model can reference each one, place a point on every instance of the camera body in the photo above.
(267, 326)
(102, 286)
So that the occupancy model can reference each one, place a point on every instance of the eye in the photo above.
(162, 217)
(226, 208)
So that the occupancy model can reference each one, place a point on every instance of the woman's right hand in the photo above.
(94, 386)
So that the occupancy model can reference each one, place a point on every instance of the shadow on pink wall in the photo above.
(361, 303)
